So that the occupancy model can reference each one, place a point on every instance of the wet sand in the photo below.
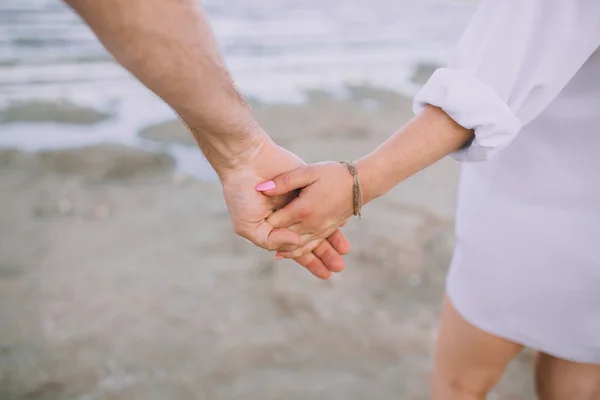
(120, 278)
(51, 111)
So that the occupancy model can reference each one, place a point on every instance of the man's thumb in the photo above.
(286, 182)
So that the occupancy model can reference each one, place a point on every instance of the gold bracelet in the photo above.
(356, 188)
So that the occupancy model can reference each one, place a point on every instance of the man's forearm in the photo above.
(169, 46)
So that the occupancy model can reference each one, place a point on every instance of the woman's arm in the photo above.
(426, 139)
(327, 199)
(514, 58)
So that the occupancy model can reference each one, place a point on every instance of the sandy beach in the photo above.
(121, 278)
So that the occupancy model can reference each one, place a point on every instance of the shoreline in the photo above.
(365, 114)
(43, 125)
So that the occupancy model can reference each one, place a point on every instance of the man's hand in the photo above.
(250, 209)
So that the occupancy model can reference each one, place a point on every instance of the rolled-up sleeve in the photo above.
(513, 59)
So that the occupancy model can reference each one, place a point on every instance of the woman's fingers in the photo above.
(291, 214)
(282, 237)
(267, 237)
(308, 240)
(314, 265)
(327, 201)
(307, 248)
(287, 182)
(323, 260)
(330, 256)
(330, 251)
(339, 242)
(299, 208)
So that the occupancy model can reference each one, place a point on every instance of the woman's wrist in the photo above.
(427, 138)
(372, 177)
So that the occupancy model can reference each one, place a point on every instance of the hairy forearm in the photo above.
(426, 139)
(169, 46)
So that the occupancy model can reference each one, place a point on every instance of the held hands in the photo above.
(324, 204)
(251, 212)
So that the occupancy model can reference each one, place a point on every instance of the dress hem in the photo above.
(516, 338)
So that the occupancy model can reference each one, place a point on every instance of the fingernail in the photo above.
(268, 185)
(277, 258)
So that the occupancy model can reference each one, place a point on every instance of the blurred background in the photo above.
(120, 276)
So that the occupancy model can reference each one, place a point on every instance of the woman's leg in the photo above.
(468, 361)
(557, 379)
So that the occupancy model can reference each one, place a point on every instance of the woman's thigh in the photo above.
(557, 379)
(468, 361)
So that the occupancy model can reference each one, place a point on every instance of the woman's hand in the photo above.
(324, 204)
(249, 210)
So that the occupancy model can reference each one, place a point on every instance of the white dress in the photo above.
(526, 267)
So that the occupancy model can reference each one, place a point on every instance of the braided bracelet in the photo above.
(356, 188)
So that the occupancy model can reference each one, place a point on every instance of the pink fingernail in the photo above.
(263, 187)
(277, 258)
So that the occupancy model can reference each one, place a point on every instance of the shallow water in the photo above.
(275, 49)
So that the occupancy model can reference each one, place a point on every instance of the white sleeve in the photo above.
(513, 59)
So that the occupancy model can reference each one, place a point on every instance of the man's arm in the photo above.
(169, 46)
